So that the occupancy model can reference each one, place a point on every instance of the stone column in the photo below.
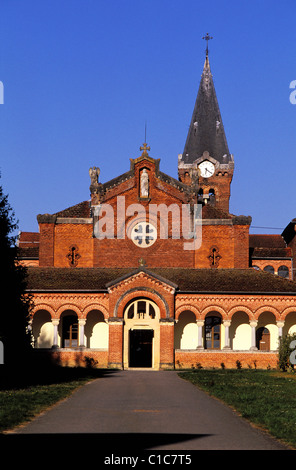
(226, 324)
(280, 325)
(253, 325)
(55, 323)
(81, 323)
(200, 324)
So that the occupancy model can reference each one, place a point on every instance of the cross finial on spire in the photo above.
(145, 147)
(207, 38)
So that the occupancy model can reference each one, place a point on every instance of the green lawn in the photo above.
(264, 397)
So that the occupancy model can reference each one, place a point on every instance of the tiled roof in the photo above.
(187, 280)
(268, 246)
(81, 209)
(271, 253)
(28, 245)
(28, 252)
(267, 241)
(28, 238)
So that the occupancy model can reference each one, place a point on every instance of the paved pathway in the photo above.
(146, 410)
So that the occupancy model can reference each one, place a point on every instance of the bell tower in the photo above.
(206, 162)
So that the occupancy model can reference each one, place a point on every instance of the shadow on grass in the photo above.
(41, 370)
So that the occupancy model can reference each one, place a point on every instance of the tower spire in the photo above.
(206, 131)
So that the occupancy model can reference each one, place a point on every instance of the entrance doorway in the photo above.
(140, 341)
(141, 334)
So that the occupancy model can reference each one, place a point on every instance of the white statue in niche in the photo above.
(144, 183)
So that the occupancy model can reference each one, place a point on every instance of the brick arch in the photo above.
(241, 308)
(145, 293)
(267, 308)
(46, 307)
(264, 265)
(214, 308)
(65, 307)
(286, 312)
(99, 307)
(187, 307)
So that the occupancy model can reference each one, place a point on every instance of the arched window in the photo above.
(269, 269)
(283, 271)
(187, 178)
(212, 197)
(212, 332)
(141, 309)
(200, 196)
(256, 267)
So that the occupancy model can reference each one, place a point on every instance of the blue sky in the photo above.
(81, 78)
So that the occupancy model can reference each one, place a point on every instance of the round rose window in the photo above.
(144, 234)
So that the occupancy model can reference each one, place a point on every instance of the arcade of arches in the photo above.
(208, 336)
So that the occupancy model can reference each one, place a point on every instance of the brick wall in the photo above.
(220, 183)
(115, 357)
(57, 237)
(260, 360)
(166, 345)
(80, 358)
(231, 241)
(109, 252)
(67, 235)
(183, 359)
(46, 247)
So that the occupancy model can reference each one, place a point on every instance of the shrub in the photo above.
(285, 352)
(90, 362)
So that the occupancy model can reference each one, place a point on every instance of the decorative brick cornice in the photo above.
(82, 304)
(280, 306)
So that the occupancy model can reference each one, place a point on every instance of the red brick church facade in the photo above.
(121, 280)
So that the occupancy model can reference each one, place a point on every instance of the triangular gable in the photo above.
(139, 272)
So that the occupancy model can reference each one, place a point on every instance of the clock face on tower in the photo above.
(206, 168)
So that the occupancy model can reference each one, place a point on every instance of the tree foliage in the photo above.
(14, 303)
(285, 351)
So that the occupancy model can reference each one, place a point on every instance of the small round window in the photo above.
(144, 234)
